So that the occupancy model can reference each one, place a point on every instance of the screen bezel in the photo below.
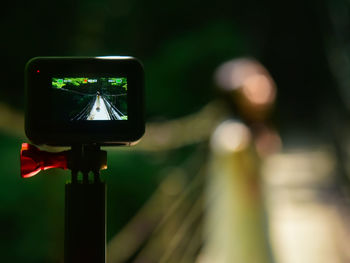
(42, 129)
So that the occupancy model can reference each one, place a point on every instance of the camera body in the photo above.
(84, 100)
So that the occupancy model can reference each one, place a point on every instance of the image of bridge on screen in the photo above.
(91, 99)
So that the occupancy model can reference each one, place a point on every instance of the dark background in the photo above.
(181, 43)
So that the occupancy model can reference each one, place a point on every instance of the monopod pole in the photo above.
(85, 198)
(85, 207)
(85, 222)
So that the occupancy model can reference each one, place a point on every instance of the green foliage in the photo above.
(122, 82)
(61, 82)
(76, 81)
(57, 83)
(105, 82)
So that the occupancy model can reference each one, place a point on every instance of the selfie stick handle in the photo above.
(85, 210)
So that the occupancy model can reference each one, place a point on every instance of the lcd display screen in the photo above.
(90, 98)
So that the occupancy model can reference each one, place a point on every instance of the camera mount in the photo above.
(85, 197)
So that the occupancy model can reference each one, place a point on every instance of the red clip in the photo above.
(34, 160)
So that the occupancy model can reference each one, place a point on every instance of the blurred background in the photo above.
(247, 147)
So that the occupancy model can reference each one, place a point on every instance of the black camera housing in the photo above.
(43, 123)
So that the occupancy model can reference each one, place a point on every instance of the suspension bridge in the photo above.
(100, 108)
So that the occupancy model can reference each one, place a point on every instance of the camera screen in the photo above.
(90, 98)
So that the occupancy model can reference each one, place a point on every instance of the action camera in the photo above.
(84, 100)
